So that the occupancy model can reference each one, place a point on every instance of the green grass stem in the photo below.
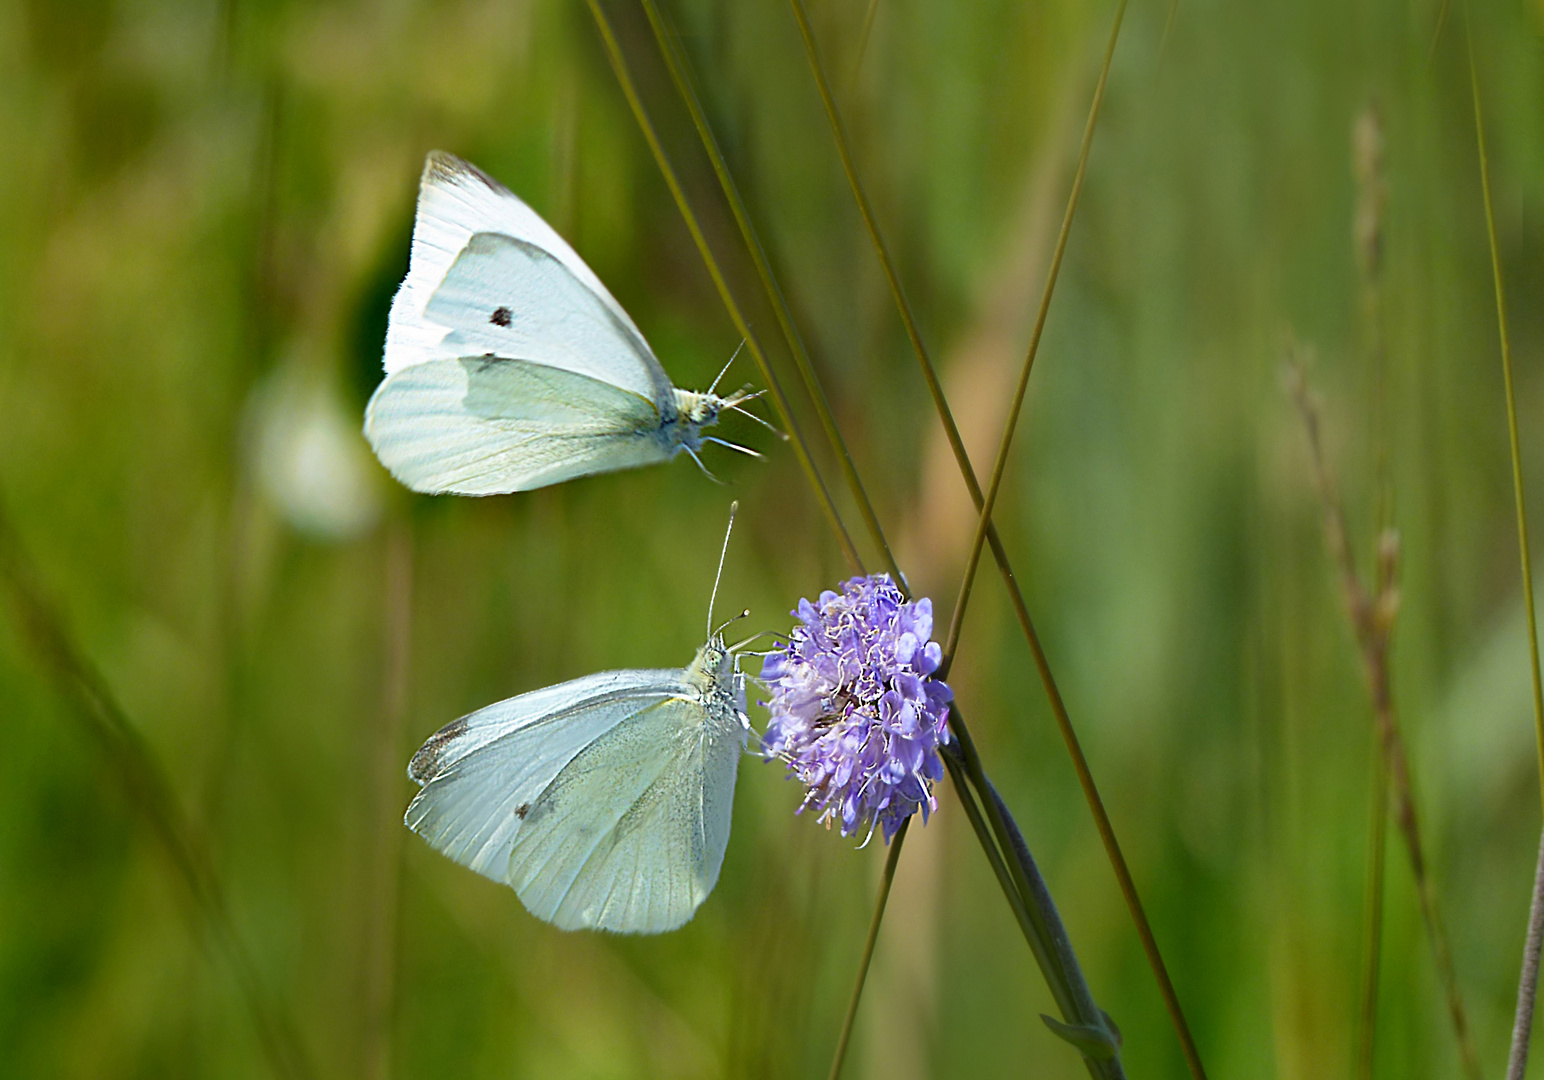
(774, 387)
(1517, 1061)
(1016, 884)
(680, 74)
(1511, 422)
(967, 472)
(1005, 444)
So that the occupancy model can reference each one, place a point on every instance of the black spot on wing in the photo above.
(501, 316)
(426, 763)
(522, 810)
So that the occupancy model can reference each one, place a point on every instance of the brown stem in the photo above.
(1372, 621)
(1528, 983)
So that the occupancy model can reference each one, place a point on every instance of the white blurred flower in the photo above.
(309, 457)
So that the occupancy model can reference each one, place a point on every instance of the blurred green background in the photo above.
(204, 211)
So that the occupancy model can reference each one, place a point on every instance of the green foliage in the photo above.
(203, 213)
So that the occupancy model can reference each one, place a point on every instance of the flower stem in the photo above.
(1037, 916)
(774, 387)
(999, 553)
(994, 857)
(888, 877)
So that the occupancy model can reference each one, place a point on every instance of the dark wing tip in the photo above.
(426, 763)
(441, 167)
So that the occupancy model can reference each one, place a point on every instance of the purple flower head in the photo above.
(856, 713)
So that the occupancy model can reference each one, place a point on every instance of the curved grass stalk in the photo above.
(148, 787)
(774, 387)
(1517, 1062)
(967, 472)
(1511, 421)
(1042, 927)
(1089, 1028)
(680, 74)
(1005, 444)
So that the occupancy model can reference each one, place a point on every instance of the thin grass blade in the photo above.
(967, 472)
(752, 342)
(680, 73)
(1522, 1030)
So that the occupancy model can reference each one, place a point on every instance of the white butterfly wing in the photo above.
(631, 835)
(475, 235)
(604, 802)
(510, 298)
(481, 426)
(482, 773)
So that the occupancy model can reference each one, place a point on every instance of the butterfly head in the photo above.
(715, 673)
(713, 664)
(696, 411)
(699, 410)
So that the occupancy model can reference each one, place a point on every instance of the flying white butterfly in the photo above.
(508, 364)
(603, 802)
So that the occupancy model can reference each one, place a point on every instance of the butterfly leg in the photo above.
(705, 471)
(732, 446)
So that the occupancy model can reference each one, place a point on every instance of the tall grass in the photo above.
(196, 206)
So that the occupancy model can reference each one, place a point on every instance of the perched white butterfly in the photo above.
(508, 364)
(603, 802)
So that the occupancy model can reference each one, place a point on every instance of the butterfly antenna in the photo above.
(726, 366)
(734, 403)
(734, 508)
(730, 622)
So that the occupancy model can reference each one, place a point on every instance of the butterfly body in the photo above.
(509, 366)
